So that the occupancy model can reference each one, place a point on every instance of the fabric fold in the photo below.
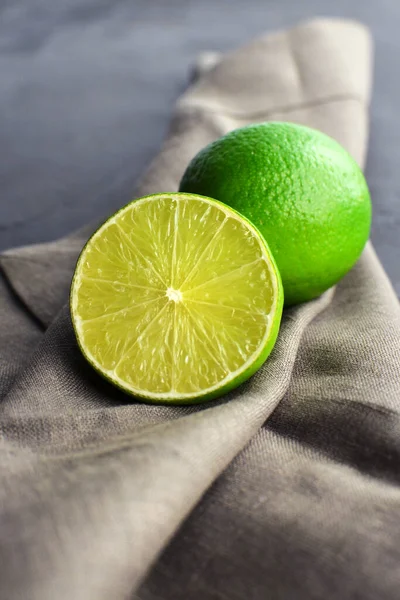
(252, 491)
(302, 75)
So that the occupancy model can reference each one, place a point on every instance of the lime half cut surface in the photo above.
(176, 299)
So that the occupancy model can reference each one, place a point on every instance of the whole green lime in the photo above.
(301, 189)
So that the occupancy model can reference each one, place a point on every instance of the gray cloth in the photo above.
(289, 486)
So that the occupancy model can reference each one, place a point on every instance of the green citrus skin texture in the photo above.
(301, 189)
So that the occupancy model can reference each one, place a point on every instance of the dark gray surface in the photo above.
(87, 87)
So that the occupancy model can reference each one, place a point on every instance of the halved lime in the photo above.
(176, 299)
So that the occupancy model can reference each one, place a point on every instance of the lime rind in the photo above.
(232, 379)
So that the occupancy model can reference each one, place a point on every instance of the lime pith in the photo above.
(176, 298)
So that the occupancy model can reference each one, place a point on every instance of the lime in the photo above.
(301, 189)
(176, 298)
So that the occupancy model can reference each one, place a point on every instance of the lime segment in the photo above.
(176, 298)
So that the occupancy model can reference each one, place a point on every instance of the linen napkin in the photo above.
(286, 488)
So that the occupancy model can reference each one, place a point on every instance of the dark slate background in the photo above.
(87, 88)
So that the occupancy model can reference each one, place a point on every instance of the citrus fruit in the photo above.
(176, 298)
(301, 189)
